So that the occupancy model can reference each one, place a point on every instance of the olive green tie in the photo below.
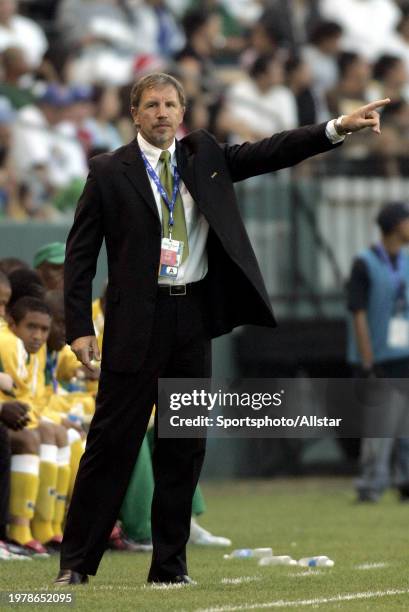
(179, 231)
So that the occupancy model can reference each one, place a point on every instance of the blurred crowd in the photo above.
(249, 67)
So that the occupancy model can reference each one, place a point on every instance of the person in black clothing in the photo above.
(299, 80)
(162, 309)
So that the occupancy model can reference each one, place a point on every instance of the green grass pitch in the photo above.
(300, 517)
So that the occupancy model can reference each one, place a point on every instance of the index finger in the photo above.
(83, 356)
(376, 104)
(85, 359)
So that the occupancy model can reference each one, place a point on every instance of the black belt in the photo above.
(189, 289)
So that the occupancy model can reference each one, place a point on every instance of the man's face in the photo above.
(403, 231)
(56, 338)
(360, 71)
(213, 29)
(33, 330)
(275, 73)
(52, 275)
(159, 115)
(397, 76)
(5, 294)
(331, 45)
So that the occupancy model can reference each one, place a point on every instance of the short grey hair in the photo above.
(156, 79)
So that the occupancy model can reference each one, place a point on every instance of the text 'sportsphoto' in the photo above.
(283, 408)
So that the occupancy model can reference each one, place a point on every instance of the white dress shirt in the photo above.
(195, 266)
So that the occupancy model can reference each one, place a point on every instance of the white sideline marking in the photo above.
(306, 573)
(369, 566)
(308, 602)
(240, 580)
(164, 586)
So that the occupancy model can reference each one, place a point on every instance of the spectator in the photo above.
(158, 29)
(261, 40)
(10, 264)
(8, 184)
(388, 154)
(102, 36)
(5, 294)
(109, 36)
(79, 109)
(95, 22)
(299, 81)
(321, 56)
(19, 31)
(292, 22)
(13, 415)
(196, 115)
(366, 23)
(247, 12)
(49, 264)
(261, 104)
(100, 126)
(15, 67)
(351, 91)
(196, 60)
(42, 138)
(398, 43)
(390, 75)
(232, 28)
(25, 282)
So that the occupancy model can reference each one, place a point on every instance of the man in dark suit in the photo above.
(172, 287)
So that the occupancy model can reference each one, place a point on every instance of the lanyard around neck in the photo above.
(162, 191)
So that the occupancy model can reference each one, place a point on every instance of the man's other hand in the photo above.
(84, 373)
(86, 350)
(14, 415)
(365, 117)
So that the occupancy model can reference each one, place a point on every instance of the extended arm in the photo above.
(293, 146)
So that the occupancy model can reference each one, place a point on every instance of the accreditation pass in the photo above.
(170, 257)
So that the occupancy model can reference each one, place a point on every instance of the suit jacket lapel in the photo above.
(135, 171)
(185, 163)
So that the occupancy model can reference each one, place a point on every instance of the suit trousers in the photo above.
(179, 348)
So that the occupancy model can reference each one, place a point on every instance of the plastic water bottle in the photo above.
(248, 553)
(277, 560)
(319, 561)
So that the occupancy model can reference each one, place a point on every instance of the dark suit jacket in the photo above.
(118, 204)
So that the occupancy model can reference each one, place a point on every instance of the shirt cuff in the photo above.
(332, 134)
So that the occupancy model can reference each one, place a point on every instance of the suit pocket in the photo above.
(113, 294)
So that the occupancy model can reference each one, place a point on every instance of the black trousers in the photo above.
(4, 480)
(179, 348)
